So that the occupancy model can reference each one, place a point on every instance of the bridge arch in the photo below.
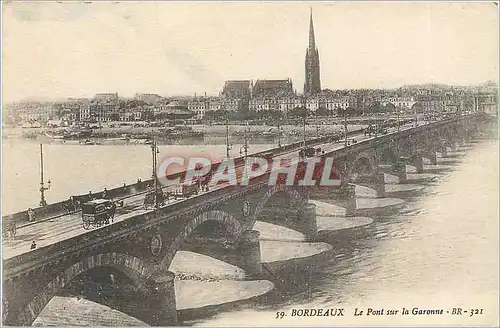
(131, 266)
(388, 155)
(292, 193)
(422, 142)
(232, 225)
(446, 133)
(364, 163)
(434, 136)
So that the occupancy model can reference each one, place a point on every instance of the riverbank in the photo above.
(190, 134)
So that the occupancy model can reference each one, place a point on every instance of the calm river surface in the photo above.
(439, 251)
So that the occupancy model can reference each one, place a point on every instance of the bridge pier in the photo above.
(347, 196)
(161, 300)
(401, 172)
(307, 219)
(431, 155)
(418, 163)
(443, 151)
(250, 252)
(380, 185)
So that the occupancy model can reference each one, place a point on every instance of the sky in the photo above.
(75, 49)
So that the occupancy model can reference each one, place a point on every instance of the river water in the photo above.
(438, 252)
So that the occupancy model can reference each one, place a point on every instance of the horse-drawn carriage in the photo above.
(307, 152)
(190, 189)
(8, 227)
(97, 213)
(149, 199)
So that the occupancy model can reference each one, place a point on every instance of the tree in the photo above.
(350, 111)
(273, 113)
(417, 107)
(250, 115)
(114, 117)
(390, 107)
(298, 112)
(375, 107)
(322, 111)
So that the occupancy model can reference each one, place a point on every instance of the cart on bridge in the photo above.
(149, 199)
(97, 213)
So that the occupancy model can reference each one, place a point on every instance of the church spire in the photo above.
(312, 83)
(312, 44)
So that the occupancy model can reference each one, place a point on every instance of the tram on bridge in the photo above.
(97, 213)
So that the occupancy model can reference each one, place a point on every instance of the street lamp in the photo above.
(279, 133)
(345, 127)
(416, 117)
(154, 151)
(43, 202)
(244, 148)
(398, 119)
(304, 129)
(228, 146)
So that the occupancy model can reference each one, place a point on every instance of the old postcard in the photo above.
(250, 163)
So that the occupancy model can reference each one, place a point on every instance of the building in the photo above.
(29, 111)
(264, 104)
(404, 103)
(104, 107)
(199, 106)
(237, 89)
(289, 103)
(73, 108)
(332, 104)
(312, 83)
(272, 88)
(149, 98)
(176, 109)
(486, 102)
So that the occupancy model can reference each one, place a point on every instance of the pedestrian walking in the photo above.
(31, 214)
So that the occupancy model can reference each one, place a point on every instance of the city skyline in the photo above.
(61, 50)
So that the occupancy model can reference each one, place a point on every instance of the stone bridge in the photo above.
(138, 251)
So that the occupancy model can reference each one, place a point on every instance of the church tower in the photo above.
(312, 83)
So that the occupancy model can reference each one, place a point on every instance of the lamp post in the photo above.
(228, 146)
(279, 133)
(43, 202)
(416, 117)
(304, 130)
(244, 148)
(154, 151)
(398, 120)
(345, 128)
